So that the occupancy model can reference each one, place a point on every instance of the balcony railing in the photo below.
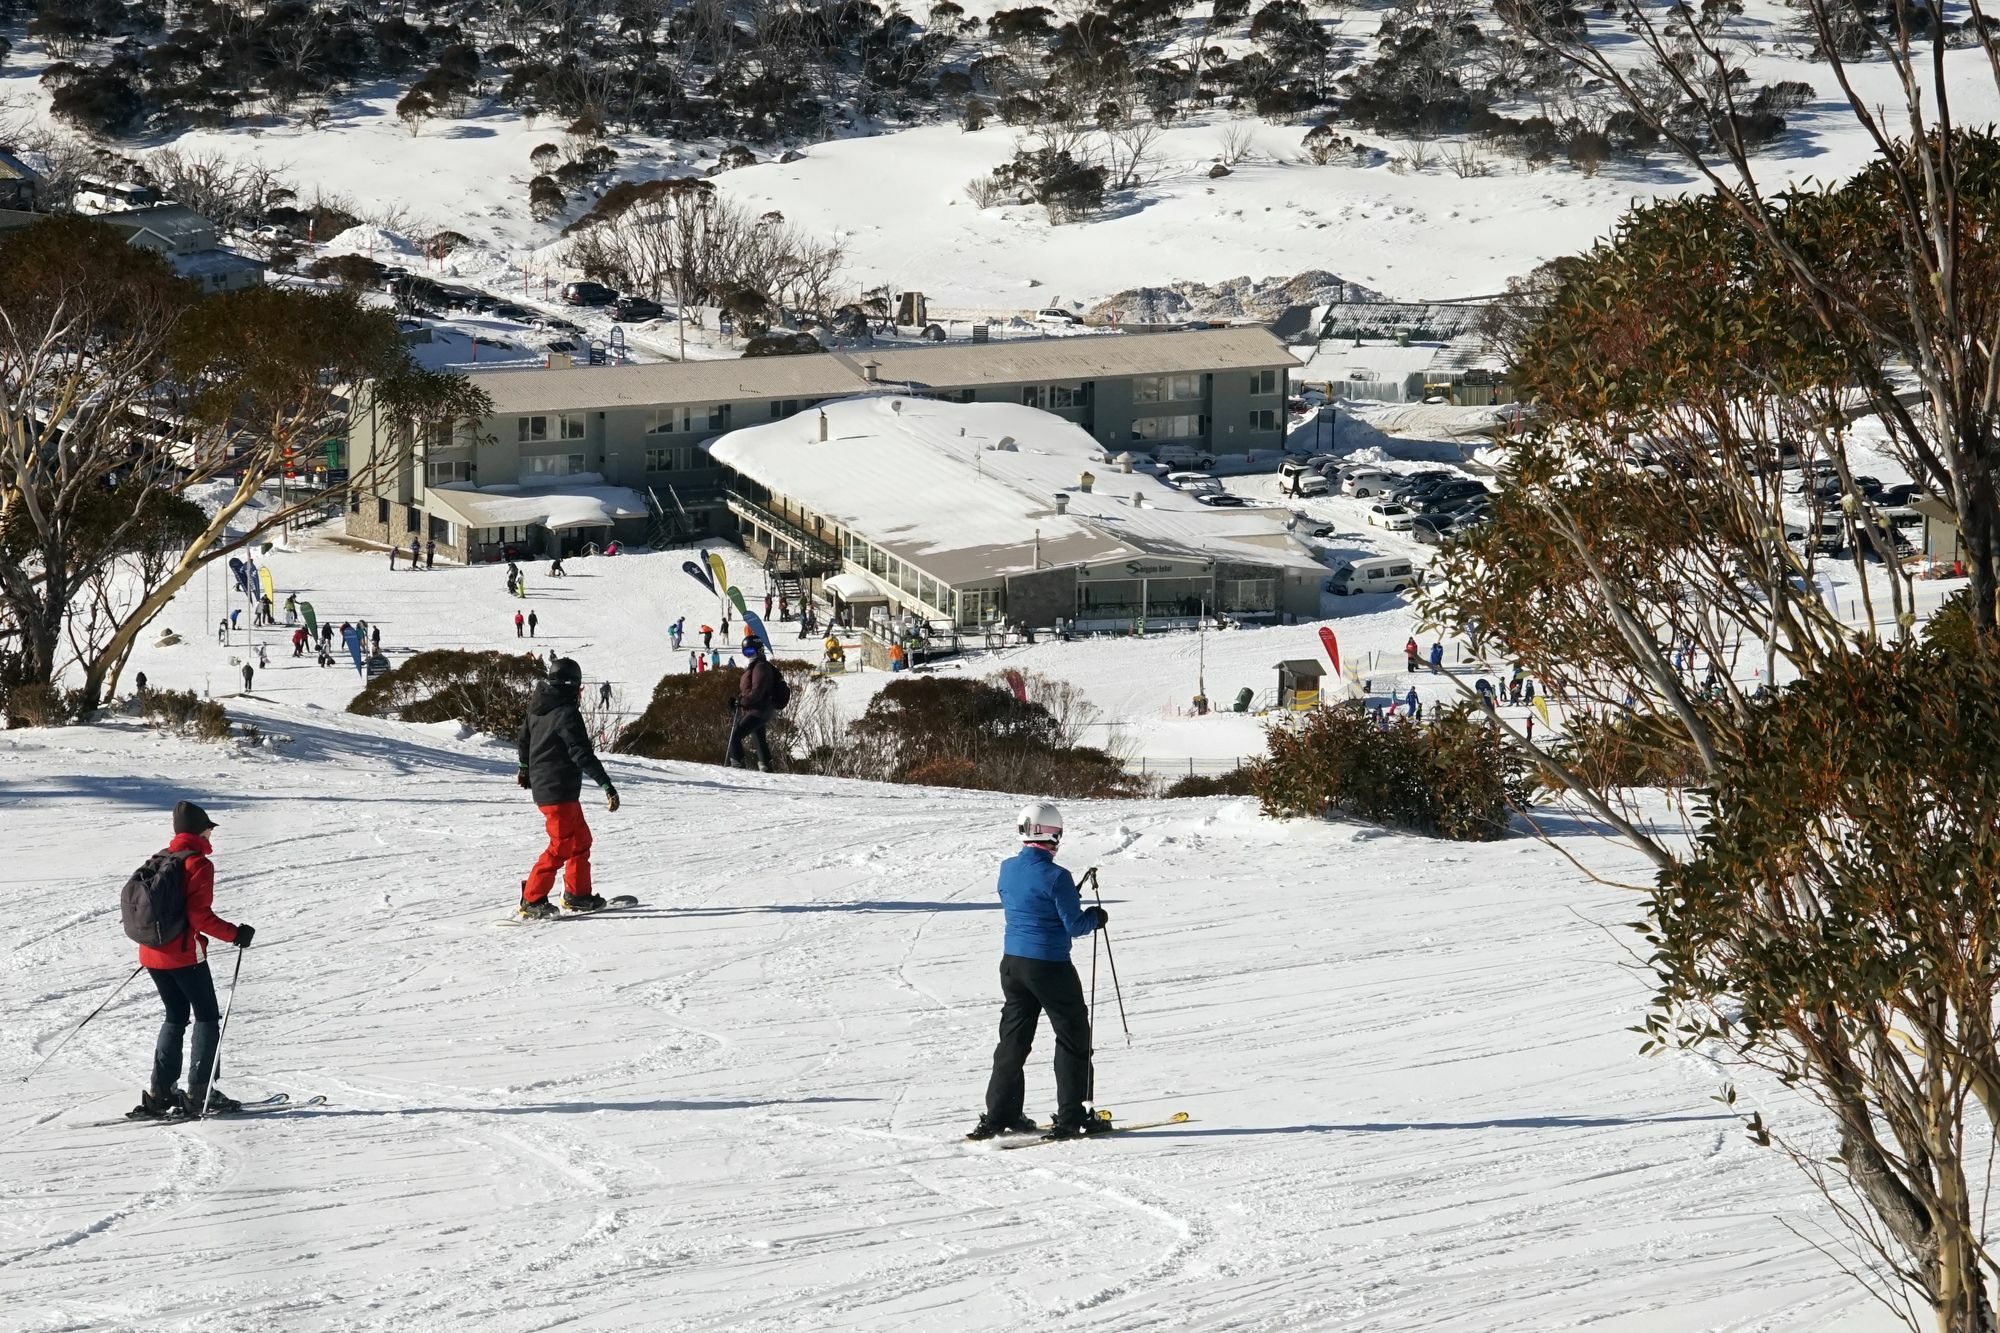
(816, 555)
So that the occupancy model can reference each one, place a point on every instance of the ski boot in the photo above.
(538, 910)
(217, 1102)
(156, 1106)
(989, 1128)
(1077, 1129)
(582, 902)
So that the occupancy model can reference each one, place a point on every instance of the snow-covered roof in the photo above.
(568, 388)
(967, 491)
(554, 507)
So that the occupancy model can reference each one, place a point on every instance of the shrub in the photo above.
(1069, 189)
(1236, 782)
(974, 733)
(487, 691)
(185, 712)
(37, 706)
(688, 718)
(347, 270)
(1452, 779)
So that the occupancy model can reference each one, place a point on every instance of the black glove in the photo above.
(520, 777)
(244, 934)
(611, 800)
(1101, 917)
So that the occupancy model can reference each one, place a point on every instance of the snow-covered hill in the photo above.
(1416, 1102)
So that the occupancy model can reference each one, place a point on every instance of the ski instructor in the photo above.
(555, 757)
(1044, 914)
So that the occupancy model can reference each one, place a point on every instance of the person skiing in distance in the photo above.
(263, 657)
(556, 570)
(1437, 657)
(1410, 651)
(759, 694)
(725, 625)
(430, 553)
(604, 694)
(374, 638)
(533, 620)
(415, 552)
(246, 677)
(394, 551)
(768, 599)
(139, 682)
(291, 608)
(1044, 913)
(555, 756)
(299, 642)
(222, 630)
(674, 633)
(520, 621)
(1414, 704)
(179, 968)
(708, 636)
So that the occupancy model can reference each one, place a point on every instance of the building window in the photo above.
(1264, 418)
(572, 425)
(440, 435)
(439, 474)
(440, 530)
(1154, 429)
(1248, 594)
(1031, 395)
(1167, 388)
(1055, 397)
(718, 416)
(673, 458)
(382, 512)
(784, 407)
(413, 519)
(530, 429)
(551, 465)
(1263, 381)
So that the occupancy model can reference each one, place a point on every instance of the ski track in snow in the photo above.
(739, 1106)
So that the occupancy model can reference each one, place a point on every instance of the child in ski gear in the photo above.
(179, 968)
(556, 571)
(394, 551)
(1437, 657)
(555, 756)
(758, 697)
(674, 632)
(1044, 913)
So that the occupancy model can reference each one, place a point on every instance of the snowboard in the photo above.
(622, 902)
(1177, 1118)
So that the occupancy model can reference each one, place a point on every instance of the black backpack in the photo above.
(781, 689)
(154, 901)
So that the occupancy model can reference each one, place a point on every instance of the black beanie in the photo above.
(191, 818)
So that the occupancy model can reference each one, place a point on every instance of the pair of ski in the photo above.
(1010, 1142)
(277, 1101)
(623, 902)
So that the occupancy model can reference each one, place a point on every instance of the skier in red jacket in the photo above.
(180, 972)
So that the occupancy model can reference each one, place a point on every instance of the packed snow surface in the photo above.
(1415, 1101)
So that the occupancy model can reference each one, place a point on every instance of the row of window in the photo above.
(1056, 397)
(533, 430)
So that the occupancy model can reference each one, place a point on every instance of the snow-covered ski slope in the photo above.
(739, 1106)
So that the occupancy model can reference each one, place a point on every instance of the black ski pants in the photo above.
(1031, 986)
(186, 992)
(748, 727)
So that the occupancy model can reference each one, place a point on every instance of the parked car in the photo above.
(509, 311)
(1448, 495)
(1193, 482)
(588, 293)
(635, 307)
(1361, 485)
(1412, 481)
(1390, 515)
(1055, 314)
(1220, 500)
(1381, 573)
(1182, 456)
(1433, 529)
(557, 324)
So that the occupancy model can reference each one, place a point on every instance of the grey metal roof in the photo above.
(584, 387)
(13, 168)
(177, 224)
(1076, 357)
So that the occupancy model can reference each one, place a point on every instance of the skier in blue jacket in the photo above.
(1044, 914)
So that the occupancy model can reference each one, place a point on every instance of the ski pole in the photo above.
(80, 1026)
(1110, 958)
(1093, 1018)
(215, 1064)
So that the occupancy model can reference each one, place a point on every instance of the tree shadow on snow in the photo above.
(556, 1108)
(1399, 1126)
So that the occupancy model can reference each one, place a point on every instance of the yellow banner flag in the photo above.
(1542, 707)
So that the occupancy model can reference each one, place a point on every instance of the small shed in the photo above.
(1298, 683)
(1942, 545)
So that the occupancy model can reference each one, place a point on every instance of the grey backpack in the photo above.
(154, 902)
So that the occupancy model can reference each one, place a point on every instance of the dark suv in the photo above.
(635, 307)
(588, 293)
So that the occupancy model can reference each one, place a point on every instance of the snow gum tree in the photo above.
(125, 395)
(1833, 913)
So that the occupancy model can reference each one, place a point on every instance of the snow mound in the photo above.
(374, 242)
(1232, 298)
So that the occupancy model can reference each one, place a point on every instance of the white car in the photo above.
(1193, 482)
(1058, 316)
(1390, 515)
(1361, 485)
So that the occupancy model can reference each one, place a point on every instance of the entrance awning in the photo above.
(855, 588)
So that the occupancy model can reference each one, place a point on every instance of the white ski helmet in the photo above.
(1040, 822)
